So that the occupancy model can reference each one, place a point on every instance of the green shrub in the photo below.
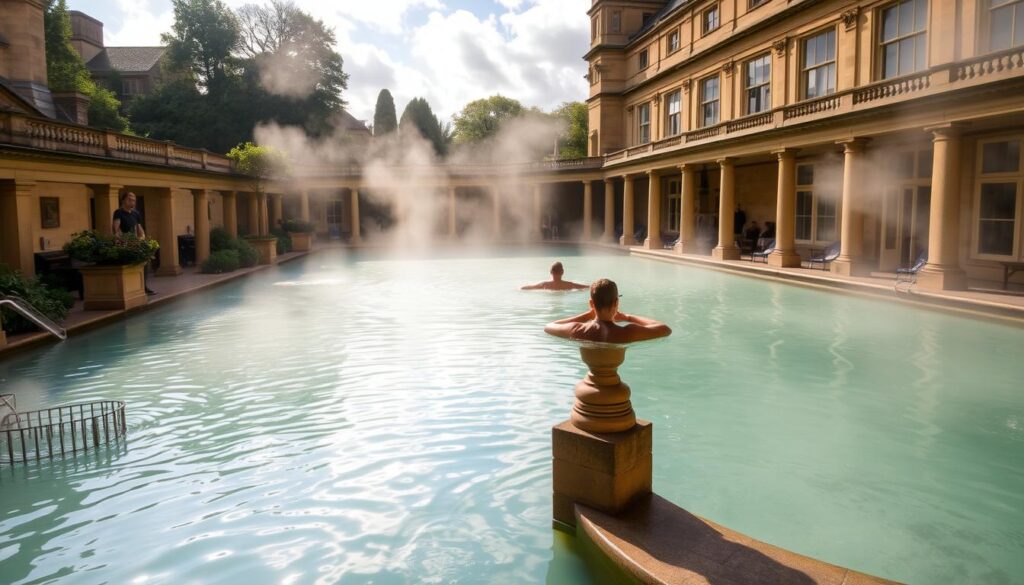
(284, 241)
(50, 301)
(221, 261)
(220, 239)
(298, 226)
(109, 250)
(247, 255)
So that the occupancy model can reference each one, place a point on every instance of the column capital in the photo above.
(856, 144)
(686, 167)
(726, 161)
(785, 153)
(609, 180)
(946, 131)
(653, 173)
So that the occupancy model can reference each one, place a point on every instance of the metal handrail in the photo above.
(26, 310)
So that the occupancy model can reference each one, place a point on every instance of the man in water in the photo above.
(600, 323)
(556, 282)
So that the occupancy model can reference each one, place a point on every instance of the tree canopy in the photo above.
(261, 163)
(481, 119)
(573, 142)
(420, 119)
(201, 42)
(385, 119)
(66, 72)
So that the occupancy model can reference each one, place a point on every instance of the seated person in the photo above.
(600, 323)
(753, 231)
(556, 282)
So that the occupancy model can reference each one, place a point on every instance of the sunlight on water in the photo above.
(355, 420)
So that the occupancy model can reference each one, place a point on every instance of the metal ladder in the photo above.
(26, 310)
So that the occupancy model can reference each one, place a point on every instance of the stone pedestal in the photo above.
(267, 247)
(602, 398)
(114, 287)
(607, 472)
(301, 241)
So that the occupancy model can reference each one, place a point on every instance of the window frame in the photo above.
(981, 178)
(986, 23)
(643, 125)
(817, 194)
(767, 82)
(668, 113)
(674, 34)
(834, 62)
(704, 28)
(703, 102)
(615, 22)
(673, 204)
(752, 4)
(643, 59)
(881, 43)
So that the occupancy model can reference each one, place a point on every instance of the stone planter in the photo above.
(114, 287)
(301, 241)
(267, 247)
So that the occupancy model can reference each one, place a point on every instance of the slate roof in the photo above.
(126, 59)
(351, 123)
(669, 8)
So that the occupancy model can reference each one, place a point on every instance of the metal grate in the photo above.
(62, 430)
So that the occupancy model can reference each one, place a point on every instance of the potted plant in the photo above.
(261, 164)
(266, 246)
(115, 277)
(301, 233)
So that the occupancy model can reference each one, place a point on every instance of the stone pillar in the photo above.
(107, 199)
(276, 210)
(627, 211)
(785, 213)
(687, 211)
(201, 213)
(653, 241)
(726, 248)
(16, 207)
(609, 211)
(261, 206)
(254, 215)
(602, 455)
(943, 270)
(230, 212)
(535, 230)
(165, 233)
(588, 210)
(304, 205)
(452, 227)
(356, 235)
(496, 212)
(851, 260)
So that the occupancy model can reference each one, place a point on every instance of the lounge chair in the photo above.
(826, 256)
(763, 254)
(910, 274)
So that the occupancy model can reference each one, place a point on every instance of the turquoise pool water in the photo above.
(370, 420)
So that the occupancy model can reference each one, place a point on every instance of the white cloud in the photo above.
(142, 24)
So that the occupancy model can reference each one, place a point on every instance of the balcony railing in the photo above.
(44, 134)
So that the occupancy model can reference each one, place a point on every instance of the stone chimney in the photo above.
(24, 62)
(74, 106)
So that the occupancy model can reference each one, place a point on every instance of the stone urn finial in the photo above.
(602, 398)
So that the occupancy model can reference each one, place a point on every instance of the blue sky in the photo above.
(448, 51)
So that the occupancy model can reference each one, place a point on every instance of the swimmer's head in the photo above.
(556, 269)
(604, 294)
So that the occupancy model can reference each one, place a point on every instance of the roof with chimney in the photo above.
(126, 59)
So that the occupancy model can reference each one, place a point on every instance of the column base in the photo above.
(685, 247)
(850, 267)
(725, 253)
(624, 241)
(654, 244)
(779, 259)
(941, 278)
(607, 472)
(169, 271)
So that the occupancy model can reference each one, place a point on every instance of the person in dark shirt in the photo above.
(128, 220)
(739, 220)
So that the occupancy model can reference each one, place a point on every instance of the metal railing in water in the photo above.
(26, 310)
(62, 430)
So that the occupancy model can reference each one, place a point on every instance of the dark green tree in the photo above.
(481, 119)
(420, 119)
(385, 120)
(573, 141)
(202, 42)
(66, 72)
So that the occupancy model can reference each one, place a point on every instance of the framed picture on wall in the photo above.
(49, 211)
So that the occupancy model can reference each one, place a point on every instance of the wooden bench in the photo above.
(1009, 269)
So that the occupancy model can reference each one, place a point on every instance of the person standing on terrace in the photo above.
(128, 220)
(601, 322)
(556, 282)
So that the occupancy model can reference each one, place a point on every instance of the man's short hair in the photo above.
(125, 195)
(604, 293)
(556, 268)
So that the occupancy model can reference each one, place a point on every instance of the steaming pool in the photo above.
(360, 419)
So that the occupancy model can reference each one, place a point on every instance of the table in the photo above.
(1009, 269)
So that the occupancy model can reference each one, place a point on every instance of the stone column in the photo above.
(609, 211)
(496, 212)
(627, 211)
(588, 210)
(653, 241)
(452, 227)
(254, 215)
(687, 211)
(943, 270)
(201, 213)
(535, 230)
(276, 210)
(107, 199)
(16, 207)
(785, 213)
(726, 248)
(230, 212)
(165, 233)
(851, 260)
(356, 235)
(261, 204)
(304, 205)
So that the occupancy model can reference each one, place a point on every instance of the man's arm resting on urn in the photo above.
(644, 328)
(567, 326)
